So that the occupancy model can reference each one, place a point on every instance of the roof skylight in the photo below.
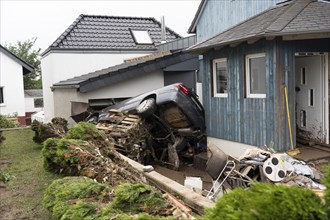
(141, 37)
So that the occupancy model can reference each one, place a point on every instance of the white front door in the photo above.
(311, 98)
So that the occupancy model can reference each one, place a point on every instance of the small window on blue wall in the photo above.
(220, 78)
(256, 75)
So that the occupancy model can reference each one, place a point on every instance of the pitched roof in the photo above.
(27, 68)
(109, 33)
(296, 17)
(33, 93)
(192, 28)
(127, 70)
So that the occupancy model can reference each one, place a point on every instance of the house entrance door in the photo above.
(312, 118)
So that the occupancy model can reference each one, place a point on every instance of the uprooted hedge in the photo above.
(83, 198)
(268, 201)
(56, 129)
(85, 151)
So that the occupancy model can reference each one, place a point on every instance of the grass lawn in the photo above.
(21, 162)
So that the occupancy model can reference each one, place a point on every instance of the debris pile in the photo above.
(83, 198)
(85, 151)
(282, 168)
(129, 134)
(262, 166)
(95, 158)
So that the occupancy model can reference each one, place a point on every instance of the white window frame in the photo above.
(137, 38)
(3, 96)
(247, 72)
(214, 72)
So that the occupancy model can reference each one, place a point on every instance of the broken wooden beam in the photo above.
(189, 197)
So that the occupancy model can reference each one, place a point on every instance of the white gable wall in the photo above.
(58, 66)
(11, 79)
(127, 88)
(29, 104)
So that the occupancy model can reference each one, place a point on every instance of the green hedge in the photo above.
(7, 123)
(76, 198)
(266, 202)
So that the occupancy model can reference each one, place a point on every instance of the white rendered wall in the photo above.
(61, 66)
(128, 88)
(11, 79)
(29, 105)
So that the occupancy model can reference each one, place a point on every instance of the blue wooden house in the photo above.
(266, 79)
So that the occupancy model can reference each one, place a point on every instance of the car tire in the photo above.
(146, 108)
(182, 143)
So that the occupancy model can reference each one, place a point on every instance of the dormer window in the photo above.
(141, 37)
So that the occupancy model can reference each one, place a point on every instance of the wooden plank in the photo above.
(127, 122)
(132, 119)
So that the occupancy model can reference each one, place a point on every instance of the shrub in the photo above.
(7, 123)
(84, 131)
(327, 191)
(75, 198)
(42, 131)
(135, 198)
(268, 201)
(60, 155)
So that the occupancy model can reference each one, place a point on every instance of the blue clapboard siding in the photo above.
(250, 120)
(219, 15)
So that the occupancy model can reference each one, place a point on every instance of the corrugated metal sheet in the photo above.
(251, 120)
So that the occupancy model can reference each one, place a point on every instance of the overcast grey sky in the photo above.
(47, 20)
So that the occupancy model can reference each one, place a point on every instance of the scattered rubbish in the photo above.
(194, 183)
(181, 211)
(148, 168)
(293, 152)
(258, 165)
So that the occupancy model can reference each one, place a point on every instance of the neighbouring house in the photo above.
(33, 103)
(125, 80)
(12, 70)
(254, 71)
(95, 42)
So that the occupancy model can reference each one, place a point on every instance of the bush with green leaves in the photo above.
(5, 122)
(77, 197)
(42, 131)
(266, 202)
(327, 191)
(135, 198)
(60, 155)
(84, 131)
(83, 198)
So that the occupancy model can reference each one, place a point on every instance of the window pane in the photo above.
(142, 37)
(1, 94)
(38, 103)
(221, 77)
(257, 75)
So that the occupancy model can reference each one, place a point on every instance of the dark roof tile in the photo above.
(105, 32)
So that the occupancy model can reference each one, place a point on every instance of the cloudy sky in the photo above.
(46, 20)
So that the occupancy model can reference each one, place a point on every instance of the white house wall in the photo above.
(61, 66)
(128, 88)
(11, 79)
